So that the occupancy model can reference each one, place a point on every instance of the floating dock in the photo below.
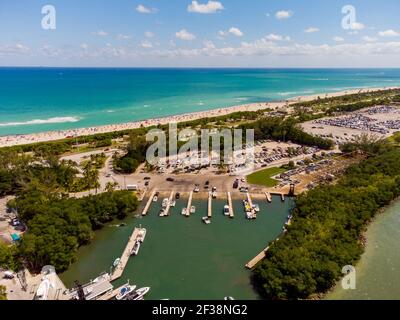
(125, 255)
(231, 214)
(209, 205)
(253, 262)
(148, 204)
(171, 196)
(189, 204)
(269, 198)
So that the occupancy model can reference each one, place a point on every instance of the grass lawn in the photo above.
(263, 177)
(395, 139)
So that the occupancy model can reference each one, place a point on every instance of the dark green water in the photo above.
(182, 258)
(378, 272)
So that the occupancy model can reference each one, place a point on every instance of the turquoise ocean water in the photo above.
(43, 99)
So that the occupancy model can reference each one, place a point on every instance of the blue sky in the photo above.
(186, 33)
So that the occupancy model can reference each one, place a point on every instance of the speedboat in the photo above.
(165, 203)
(116, 262)
(155, 198)
(141, 235)
(124, 291)
(206, 220)
(256, 207)
(139, 293)
(162, 213)
(192, 209)
(135, 249)
(184, 211)
(177, 196)
(229, 298)
(226, 210)
(173, 203)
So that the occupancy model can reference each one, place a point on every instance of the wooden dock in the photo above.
(253, 262)
(148, 204)
(231, 214)
(125, 255)
(209, 205)
(249, 199)
(269, 198)
(189, 204)
(171, 196)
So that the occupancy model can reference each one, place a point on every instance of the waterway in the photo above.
(182, 258)
(378, 272)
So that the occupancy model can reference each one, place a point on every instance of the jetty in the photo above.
(231, 214)
(253, 262)
(170, 199)
(189, 204)
(209, 205)
(125, 255)
(282, 197)
(268, 195)
(249, 199)
(148, 204)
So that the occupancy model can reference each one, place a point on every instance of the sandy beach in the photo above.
(12, 140)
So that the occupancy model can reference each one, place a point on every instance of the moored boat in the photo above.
(184, 211)
(136, 248)
(138, 294)
(226, 210)
(192, 209)
(125, 291)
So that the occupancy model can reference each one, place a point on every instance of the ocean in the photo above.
(43, 99)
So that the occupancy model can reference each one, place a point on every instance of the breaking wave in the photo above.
(41, 121)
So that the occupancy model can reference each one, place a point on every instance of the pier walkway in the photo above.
(231, 214)
(269, 198)
(189, 204)
(253, 262)
(171, 196)
(209, 204)
(125, 255)
(249, 199)
(148, 204)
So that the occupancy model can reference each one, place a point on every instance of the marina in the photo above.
(215, 250)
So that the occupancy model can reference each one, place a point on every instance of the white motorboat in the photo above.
(256, 207)
(162, 213)
(139, 294)
(226, 210)
(173, 203)
(125, 291)
(165, 203)
(116, 262)
(184, 211)
(155, 198)
(206, 220)
(136, 248)
(192, 209)
(141, 235)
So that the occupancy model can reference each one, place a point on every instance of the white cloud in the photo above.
(84, 46)
(283, 14)
(277, 37)
(142, 9)
(338, 39)
(389, 33)
(209, 7)
(369, 39)
(146, 44)
(311, 30)
(149, 34)
(357, 26)
(123, 36)
(236, 32)
(100, 33)
(185, 35)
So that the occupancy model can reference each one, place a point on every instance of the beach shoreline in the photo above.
(23, 139)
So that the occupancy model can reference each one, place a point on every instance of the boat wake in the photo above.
(41, 121)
